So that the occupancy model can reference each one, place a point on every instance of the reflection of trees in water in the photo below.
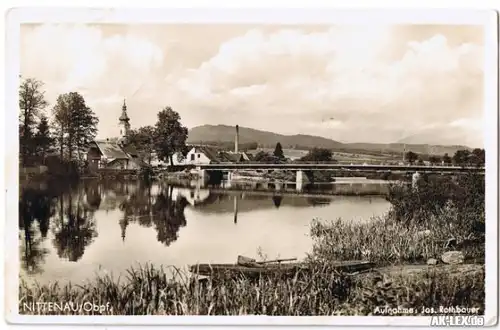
(74, 228)
(93, 194)
(277, 200)
(34, 206)
(160, 210)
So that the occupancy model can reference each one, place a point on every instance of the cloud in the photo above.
(81, 58)
(379, 83)
(343, 72)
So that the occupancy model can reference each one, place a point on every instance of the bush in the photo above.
(464, 195)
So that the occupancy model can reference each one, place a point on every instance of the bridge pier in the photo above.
(301, 179)
(203, 176)
(414, 180)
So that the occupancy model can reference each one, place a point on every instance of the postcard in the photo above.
(314, 167)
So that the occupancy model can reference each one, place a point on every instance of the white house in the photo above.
(201, 155)
(207, 155)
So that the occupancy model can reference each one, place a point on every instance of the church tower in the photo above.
(124, 124)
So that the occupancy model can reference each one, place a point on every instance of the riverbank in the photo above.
(412, 244)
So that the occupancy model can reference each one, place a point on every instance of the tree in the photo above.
(278, 151)
(170, 134)
(318, 155)
(143, 139)
(31, 103)
(461, 157)
(61, 114)
(75, 124)
(478, 157)
(411, 157)
(434, 159)
(43, 138)
(83, 123)
(446, 159)
(265, 157)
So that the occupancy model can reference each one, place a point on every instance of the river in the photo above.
(73, 233)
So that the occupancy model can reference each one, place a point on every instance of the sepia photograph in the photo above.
(240, 168)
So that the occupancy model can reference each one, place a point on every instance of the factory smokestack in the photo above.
(236, 139)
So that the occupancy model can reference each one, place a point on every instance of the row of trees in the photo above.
(72, 127)
(475, 157)
(166, 138)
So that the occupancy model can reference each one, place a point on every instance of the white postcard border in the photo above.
(280, 16)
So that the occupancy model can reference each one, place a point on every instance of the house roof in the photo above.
(131, 150)
(211, 153)
(230, 157)
(220, 156)
(111, 150)
(132, 160)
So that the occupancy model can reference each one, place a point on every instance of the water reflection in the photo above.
(35, 206)
(74, 228)
(115, 224)
(160, 209)
(277, 200)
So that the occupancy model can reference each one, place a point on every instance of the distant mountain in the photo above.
(209, 134)
(224, 133)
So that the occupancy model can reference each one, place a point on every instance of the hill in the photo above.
(223, 134)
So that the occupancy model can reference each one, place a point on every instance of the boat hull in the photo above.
(274, 269)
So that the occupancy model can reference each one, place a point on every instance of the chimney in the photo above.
(236, 139)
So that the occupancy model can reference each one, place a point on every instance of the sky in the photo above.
(351, 83)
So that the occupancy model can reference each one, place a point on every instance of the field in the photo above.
(340, 156)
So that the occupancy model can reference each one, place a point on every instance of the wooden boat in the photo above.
(250, 268)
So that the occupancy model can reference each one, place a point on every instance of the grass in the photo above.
(150, 291)
(413, 231)
(386, 242)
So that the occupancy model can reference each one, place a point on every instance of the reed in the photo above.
(148, 290)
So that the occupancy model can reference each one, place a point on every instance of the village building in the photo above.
(114, 153)
(200, 155)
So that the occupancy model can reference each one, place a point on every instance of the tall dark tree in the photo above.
(75, 123)
(143, 139)
(278, 151)
(84, 124)
(61, 113)
(44, 142)
(170, 134)
(31, 103)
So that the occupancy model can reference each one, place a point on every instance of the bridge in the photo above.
(339, 167)
(304, 170)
